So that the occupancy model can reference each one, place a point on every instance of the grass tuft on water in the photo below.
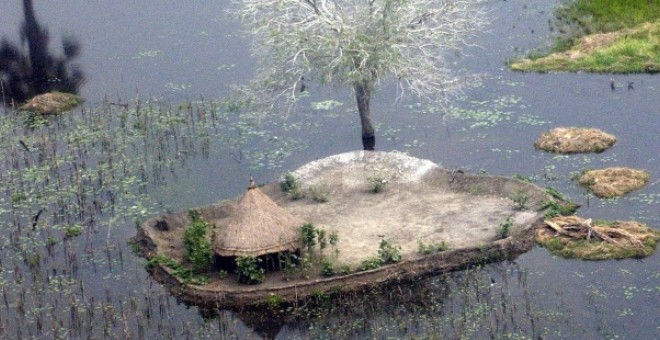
(614, 182)
(575, 237)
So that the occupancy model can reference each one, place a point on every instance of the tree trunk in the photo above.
(363, 96)
(37, 41)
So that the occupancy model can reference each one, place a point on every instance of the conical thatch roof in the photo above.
(259, 226)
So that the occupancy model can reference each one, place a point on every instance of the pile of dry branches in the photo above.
(572, 236)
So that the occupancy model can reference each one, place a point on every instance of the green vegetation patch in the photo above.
(613, 36)
(197, 244)
(589, 16)
(627, 51)
(575, 237)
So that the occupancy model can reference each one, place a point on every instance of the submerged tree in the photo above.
(358, 44)
(24, 74)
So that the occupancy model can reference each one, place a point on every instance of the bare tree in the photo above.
(358, 44)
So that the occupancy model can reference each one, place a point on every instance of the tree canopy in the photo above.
(358, 44)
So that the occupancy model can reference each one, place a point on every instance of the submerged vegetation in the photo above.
(73, 185)
(613, 36)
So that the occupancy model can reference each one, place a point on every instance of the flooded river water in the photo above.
(88, 283)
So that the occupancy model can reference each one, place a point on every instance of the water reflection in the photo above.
(30, 69)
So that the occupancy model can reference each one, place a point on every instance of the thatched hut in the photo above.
(258, 228)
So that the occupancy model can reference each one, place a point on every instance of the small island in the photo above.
(341, 224)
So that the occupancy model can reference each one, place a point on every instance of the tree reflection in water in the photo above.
(30, 69)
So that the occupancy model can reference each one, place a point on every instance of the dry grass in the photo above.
(52, 103)
(569, 140)
(259, 226)
(613, 182)
(575, 237)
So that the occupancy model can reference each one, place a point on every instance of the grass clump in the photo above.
(369, 264)
(52, 103)
(426, 249)
(613, 182)
(319, 194)
(575, 237)
(195, 242)
(569, 140)
(520, 199)
(376, 184)
(557, 208)
(187, 275)
(387, 253)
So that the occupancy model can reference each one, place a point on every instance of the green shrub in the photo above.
(519, 199)
(555, 193)
(376, 184)
(369, 264)
(187, 275)
(344, 269)
(426, 249)
(504, 228)
(273, 301)
(555, 209)
(308, 236)
(321, 238)
(195, 243)
(247, 268)
(72, 231)
(327, 268)
(388, 252)
(290, 185)
(319, 194)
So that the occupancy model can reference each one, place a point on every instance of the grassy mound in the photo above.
(574, 140)
(626, 51)
(582, 45)
(575, 237)
(52, 103)
(613, 182)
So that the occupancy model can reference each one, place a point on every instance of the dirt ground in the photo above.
(421, 202)
(412, 208)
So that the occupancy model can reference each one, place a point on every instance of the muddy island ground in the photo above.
(420, 204)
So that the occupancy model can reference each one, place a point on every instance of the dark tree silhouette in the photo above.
(32, 70)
